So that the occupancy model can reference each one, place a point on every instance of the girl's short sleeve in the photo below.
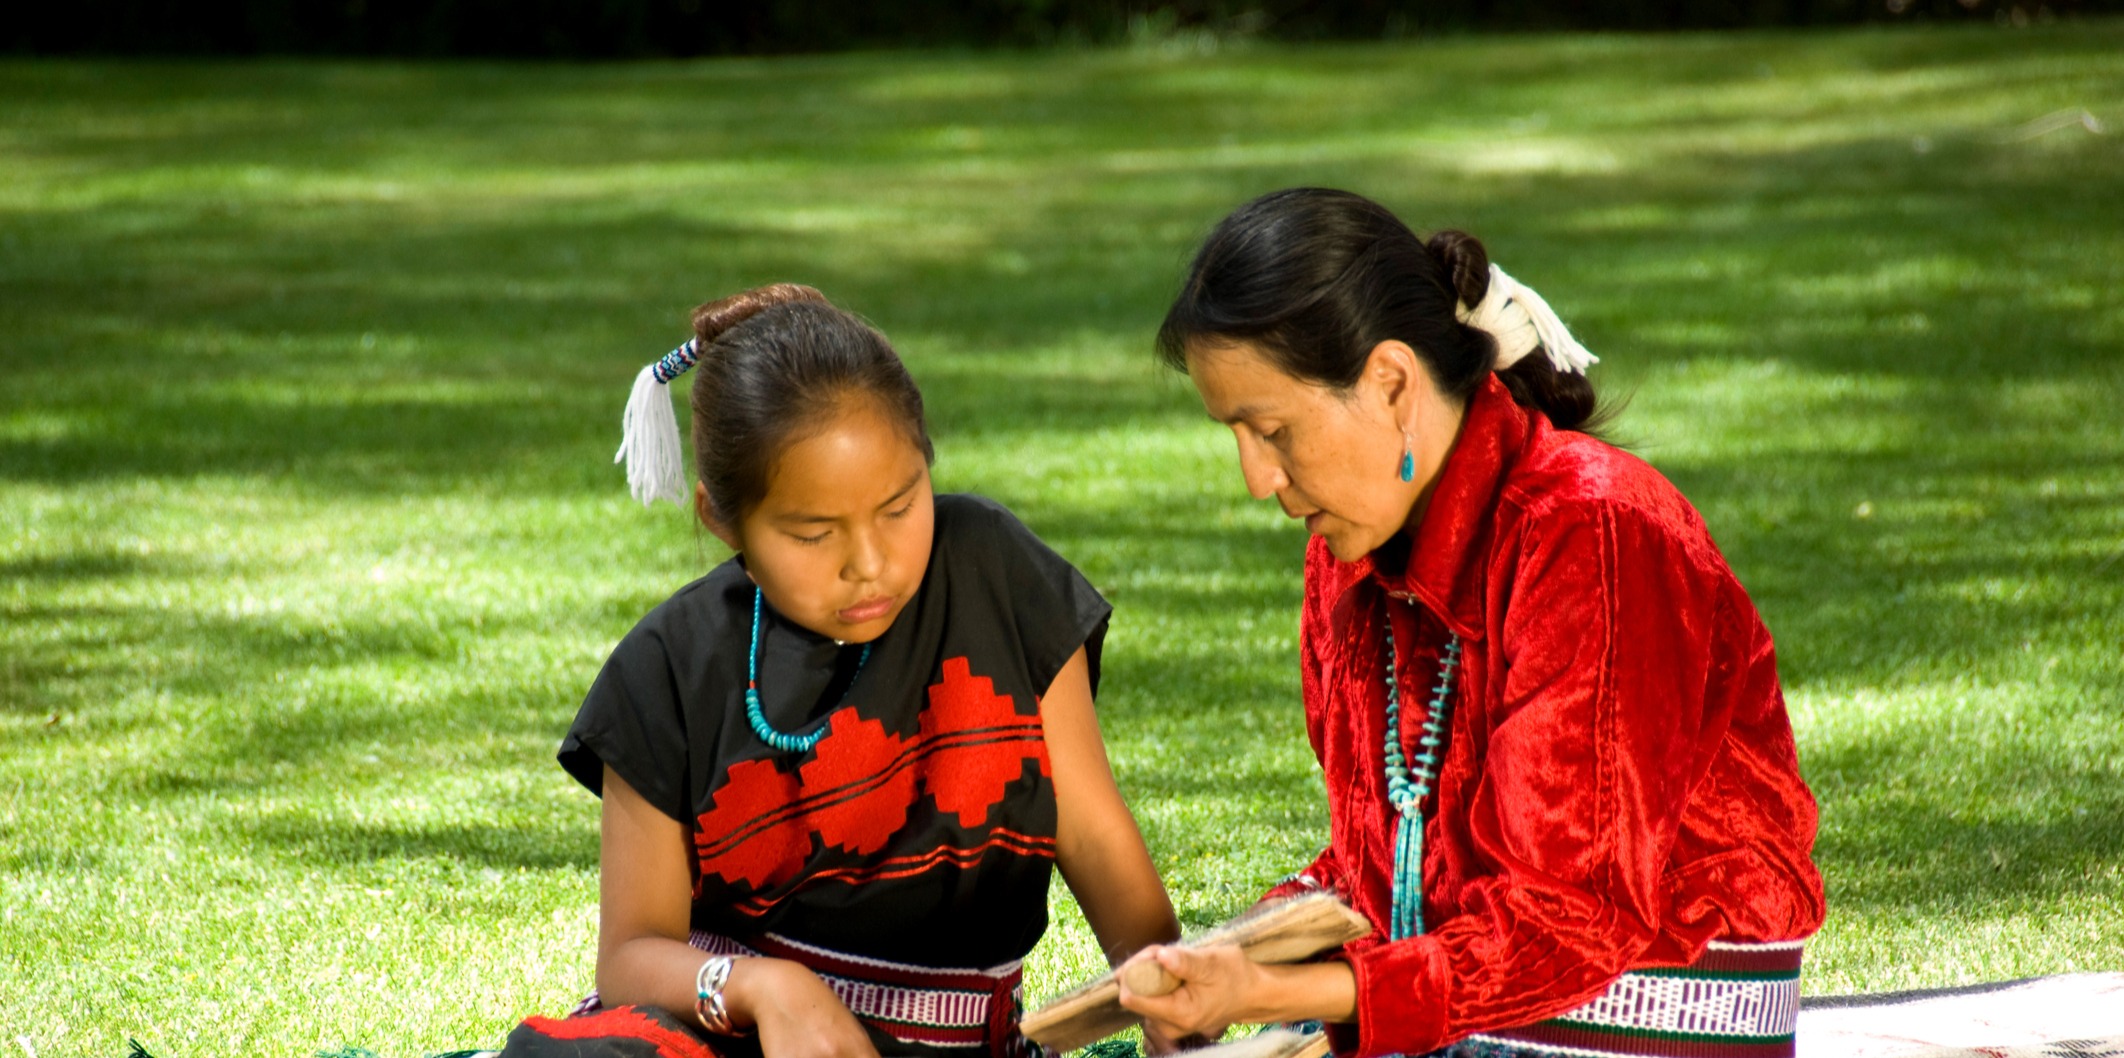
(631, 721)
(1049, 605)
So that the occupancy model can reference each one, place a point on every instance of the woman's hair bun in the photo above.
(712, 319)
(1466, 261)
(1316, 278)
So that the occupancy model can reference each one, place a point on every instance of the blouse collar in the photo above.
(1443, 571)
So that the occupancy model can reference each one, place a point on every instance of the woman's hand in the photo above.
(1220, 987)
(1217, 985)
(796, 1015)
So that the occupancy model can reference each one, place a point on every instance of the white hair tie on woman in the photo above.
(1520, 321)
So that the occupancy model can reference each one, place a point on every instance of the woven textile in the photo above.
(2046, 1017)
(1738, 1001)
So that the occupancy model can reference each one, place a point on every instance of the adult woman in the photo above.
(1616, 855)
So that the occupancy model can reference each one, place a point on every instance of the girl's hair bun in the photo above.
(776, 362)
(1466, 261)
(712, 319)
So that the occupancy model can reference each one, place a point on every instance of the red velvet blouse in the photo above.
(1619, 785)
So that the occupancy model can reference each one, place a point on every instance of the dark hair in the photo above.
(775, 363)
(1315, 278)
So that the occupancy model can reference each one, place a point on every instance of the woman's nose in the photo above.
(1264, 474)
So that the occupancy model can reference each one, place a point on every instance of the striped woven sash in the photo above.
(952, 1008)
(1737, 1001)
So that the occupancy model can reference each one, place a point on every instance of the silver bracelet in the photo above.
(708, 989)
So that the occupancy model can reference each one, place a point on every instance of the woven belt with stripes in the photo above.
(1737, 1001)
(954, 1008)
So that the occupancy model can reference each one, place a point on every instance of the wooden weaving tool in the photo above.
(1282, 932)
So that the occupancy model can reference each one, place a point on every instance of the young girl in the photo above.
(836, 769)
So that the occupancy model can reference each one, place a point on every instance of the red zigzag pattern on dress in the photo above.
(856, 790)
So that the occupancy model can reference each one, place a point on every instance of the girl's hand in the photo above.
(796, 1014)
(1217, 989)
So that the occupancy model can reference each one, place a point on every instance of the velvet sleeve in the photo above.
(1323, 873)
(1583, 767)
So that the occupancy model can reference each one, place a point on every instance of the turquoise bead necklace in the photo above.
(1406, 793)
(787, 743)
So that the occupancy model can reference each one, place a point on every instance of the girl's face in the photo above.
(1330, 457)
(841, 540)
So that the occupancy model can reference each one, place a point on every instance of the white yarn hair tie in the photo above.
(649, 437)
(1517, 317)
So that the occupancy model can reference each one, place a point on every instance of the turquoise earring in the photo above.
(1408, 465)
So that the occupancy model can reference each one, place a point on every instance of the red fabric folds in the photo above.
(1620, 785)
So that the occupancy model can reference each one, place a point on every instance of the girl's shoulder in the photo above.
(996, 572)
(976, 531)
(964, 512)
(707, 608)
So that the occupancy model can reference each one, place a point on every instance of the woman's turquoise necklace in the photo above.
(1406, 794)
(784, 742)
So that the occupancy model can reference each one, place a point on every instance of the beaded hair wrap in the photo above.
(1520, 321)
(649, 437)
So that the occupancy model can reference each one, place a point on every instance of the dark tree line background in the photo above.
(608, 29)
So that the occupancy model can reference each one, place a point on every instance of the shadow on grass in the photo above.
(212, 319)
(2022, 824)
(1900, 567)
(93, 565)
(499, 845)
(224, 653)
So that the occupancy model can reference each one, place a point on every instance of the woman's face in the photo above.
(1329, 457)
(841, 540)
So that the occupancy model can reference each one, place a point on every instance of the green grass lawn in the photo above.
(310, 376)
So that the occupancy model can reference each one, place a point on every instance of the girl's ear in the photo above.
(705, 511)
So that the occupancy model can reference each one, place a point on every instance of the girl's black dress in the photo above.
(905, 857)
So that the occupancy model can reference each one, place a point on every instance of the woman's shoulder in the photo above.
(1571, 486)
(1568, 475)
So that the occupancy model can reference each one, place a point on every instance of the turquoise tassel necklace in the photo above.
(787, 743)
(1406, 793)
